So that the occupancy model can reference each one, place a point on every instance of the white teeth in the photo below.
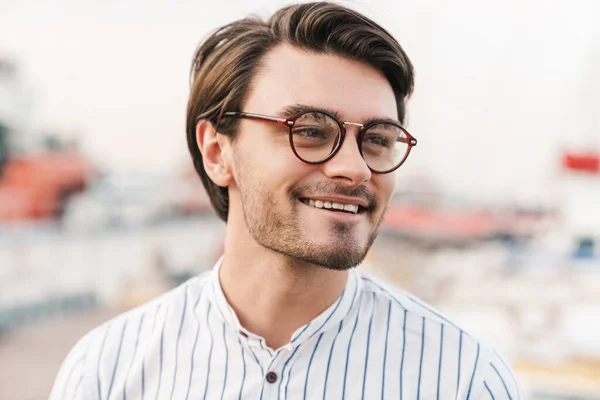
(353, 208)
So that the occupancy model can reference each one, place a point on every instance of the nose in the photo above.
(347, 166)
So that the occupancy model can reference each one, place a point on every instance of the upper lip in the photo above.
(341, 199)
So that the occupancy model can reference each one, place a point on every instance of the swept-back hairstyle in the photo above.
(225, 64)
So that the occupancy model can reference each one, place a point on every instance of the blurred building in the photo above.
(37, 173)
(580, 196)
(15, 106)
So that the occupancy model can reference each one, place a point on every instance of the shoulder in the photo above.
(487, 374)
(417, 321)
(161, 309)
(406, 302)
(79, 375)
(497, 378)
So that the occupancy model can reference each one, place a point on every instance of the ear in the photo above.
(214, 153)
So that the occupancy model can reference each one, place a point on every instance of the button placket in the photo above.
(271, 377)
(274, 374)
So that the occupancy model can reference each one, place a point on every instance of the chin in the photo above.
(335, 262)
(338, 256)
(340, 248)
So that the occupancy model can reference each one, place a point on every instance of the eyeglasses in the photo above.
(316, 136)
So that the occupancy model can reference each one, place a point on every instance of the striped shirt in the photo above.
(374, 342)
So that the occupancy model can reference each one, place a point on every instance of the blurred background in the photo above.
(496, 218)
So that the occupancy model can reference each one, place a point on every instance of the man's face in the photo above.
(274, 189)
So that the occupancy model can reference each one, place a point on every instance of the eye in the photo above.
(376, 140)
(310, 132)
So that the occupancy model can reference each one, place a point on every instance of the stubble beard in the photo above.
(281, 232)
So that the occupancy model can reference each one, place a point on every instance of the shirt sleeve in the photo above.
(498, 380)
(73, 379)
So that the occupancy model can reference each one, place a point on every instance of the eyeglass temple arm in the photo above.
(410, 141)
(281, 121)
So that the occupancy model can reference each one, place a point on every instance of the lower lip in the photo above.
(339, 215)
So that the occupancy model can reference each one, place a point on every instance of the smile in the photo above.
(332, 205)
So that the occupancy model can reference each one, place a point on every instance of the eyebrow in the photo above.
(296, 109)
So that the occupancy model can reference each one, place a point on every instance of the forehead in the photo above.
(290, 75)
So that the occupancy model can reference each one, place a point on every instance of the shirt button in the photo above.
(271, 377)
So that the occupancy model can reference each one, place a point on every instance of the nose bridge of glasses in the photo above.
(344, 143)
(359, 126)
(347, 160)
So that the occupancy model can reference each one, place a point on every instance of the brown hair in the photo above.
(225, 64)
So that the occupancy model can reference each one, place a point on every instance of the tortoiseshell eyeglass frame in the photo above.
(410, 140)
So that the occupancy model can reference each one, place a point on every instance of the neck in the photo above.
(271, 294)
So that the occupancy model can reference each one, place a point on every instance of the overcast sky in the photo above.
(501, 87)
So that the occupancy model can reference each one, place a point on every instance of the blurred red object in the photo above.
(37, 186)
(583, 162)
(439, 223)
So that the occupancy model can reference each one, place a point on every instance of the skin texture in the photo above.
(292, 258)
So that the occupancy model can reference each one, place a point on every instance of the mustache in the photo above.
(334, 189)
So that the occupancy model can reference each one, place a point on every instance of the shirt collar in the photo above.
(217, 296)
(332, 316)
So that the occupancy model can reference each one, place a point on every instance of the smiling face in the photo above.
(308, 212)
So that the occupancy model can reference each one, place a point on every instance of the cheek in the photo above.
(270, 168)
(278, 162)
(267, 149)
(385, 185)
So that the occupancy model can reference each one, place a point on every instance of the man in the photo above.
(295, 128)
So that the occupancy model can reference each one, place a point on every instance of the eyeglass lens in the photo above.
(316, 135)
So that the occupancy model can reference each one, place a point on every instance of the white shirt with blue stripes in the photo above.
(375, 342)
